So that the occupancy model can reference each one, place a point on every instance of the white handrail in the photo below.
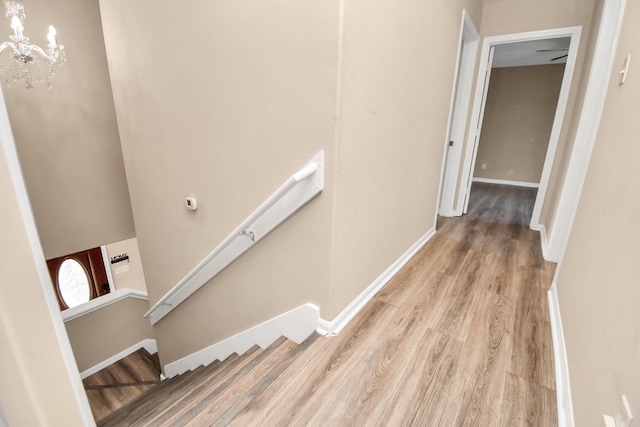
(291, 196)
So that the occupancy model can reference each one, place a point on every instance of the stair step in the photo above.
(152, 400)
(224, 408)
(212, 394)
(211, 388)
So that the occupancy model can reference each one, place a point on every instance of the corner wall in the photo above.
(397, 78)
(35, 387)
(597, 283)
(223, 101)
(101, 334)
(67, 136)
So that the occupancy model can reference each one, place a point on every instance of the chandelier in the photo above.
(22, 61)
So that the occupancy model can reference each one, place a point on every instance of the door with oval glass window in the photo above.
(79, 277)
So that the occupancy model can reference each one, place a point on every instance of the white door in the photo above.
(461, 98)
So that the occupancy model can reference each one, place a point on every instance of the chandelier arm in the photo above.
(51, 59)
(6, 45)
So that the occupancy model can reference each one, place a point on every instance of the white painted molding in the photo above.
(563, 389)
(149, 344)
(297, 325)
(544, 242)
(588, 124)
(334, 326)
(507, 182)
(303, 186)
(101, 302)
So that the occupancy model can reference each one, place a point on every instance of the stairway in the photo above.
(213, 394)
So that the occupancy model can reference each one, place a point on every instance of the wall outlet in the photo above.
(484, 166)
(624, 417)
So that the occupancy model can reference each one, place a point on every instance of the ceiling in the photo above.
(521, 54)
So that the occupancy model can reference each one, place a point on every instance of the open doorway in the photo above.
(521, 101)
(469, 155)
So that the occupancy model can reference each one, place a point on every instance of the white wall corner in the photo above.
(333, 327)
(148, 344)
(297, 325)
(544, 241)
(563, 389)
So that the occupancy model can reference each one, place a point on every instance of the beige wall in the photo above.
(35, 388)
(127, 274)
(274, 82)
(227, 117)
(598, 285)
(103, 333)
(396, 91)
(518, 116)
(563, 154)
(67, 137)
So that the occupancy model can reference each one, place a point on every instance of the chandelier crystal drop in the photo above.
(21, 61)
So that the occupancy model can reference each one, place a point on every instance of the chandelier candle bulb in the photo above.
(52, 37)
(16, 26)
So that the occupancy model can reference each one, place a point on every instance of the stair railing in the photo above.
(297, 191)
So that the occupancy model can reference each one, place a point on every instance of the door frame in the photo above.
(586, 132)
(458, 114)
(478, 109)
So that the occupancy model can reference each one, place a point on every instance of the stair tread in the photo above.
(247, 388)
(210, 394)
(211, 388)
(155, 400)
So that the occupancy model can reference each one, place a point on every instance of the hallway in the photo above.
(460, 336)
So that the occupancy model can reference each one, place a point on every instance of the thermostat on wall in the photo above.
(191, 203)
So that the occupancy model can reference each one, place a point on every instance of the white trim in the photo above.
(563, 386)
(544, 242)
(7, 143)
(107, 267)
(586, 133)
(149, 344)
(488, 44)
(507, 182)
(303, 186)
(334, 326)
(458, 114)
(101, 302)
(297, 325)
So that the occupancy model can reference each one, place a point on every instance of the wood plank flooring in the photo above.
(122, 382)
(459, 337)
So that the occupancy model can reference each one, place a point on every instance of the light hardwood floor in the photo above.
(459, 337)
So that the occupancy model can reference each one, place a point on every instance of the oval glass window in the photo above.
(73, 283)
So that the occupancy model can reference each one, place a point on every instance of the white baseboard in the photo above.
(297, 325)
(334, 326)
(563, 389)
(148, 344)
(507, 182)
(544, 241)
